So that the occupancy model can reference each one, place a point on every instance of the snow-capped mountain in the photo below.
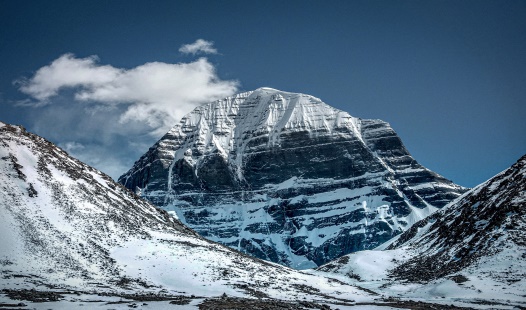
(287, 178)
(474, 248)
(66, 226)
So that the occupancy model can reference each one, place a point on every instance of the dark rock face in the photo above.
(287, 178)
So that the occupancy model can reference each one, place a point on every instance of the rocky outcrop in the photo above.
(287, 178)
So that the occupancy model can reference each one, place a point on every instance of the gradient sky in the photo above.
(450, 76)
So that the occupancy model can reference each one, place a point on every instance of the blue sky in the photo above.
(450, 76)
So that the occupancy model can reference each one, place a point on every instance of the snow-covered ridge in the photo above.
(248, 171)
(477, 225)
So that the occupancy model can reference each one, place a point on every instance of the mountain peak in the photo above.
(288, 178)
(268, 89)
(262, 91)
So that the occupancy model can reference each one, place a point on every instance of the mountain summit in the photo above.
(287, 178)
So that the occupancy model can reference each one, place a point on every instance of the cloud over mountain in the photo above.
(155, 92)
(144, 101)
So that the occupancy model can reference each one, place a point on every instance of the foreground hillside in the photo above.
(473, 249)
(287, 178)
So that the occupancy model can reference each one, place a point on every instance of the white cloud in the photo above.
(157, 94)
(68, 71)
(199, 46)
(101, 114)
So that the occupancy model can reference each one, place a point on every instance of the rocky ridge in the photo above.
(488, 222)
(474, 248)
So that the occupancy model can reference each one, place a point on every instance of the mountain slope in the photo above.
(287, 178)
(66, 225)
(490, 221)
(473, 248)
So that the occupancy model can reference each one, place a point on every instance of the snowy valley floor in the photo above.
(90, 301)
(43, 298)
